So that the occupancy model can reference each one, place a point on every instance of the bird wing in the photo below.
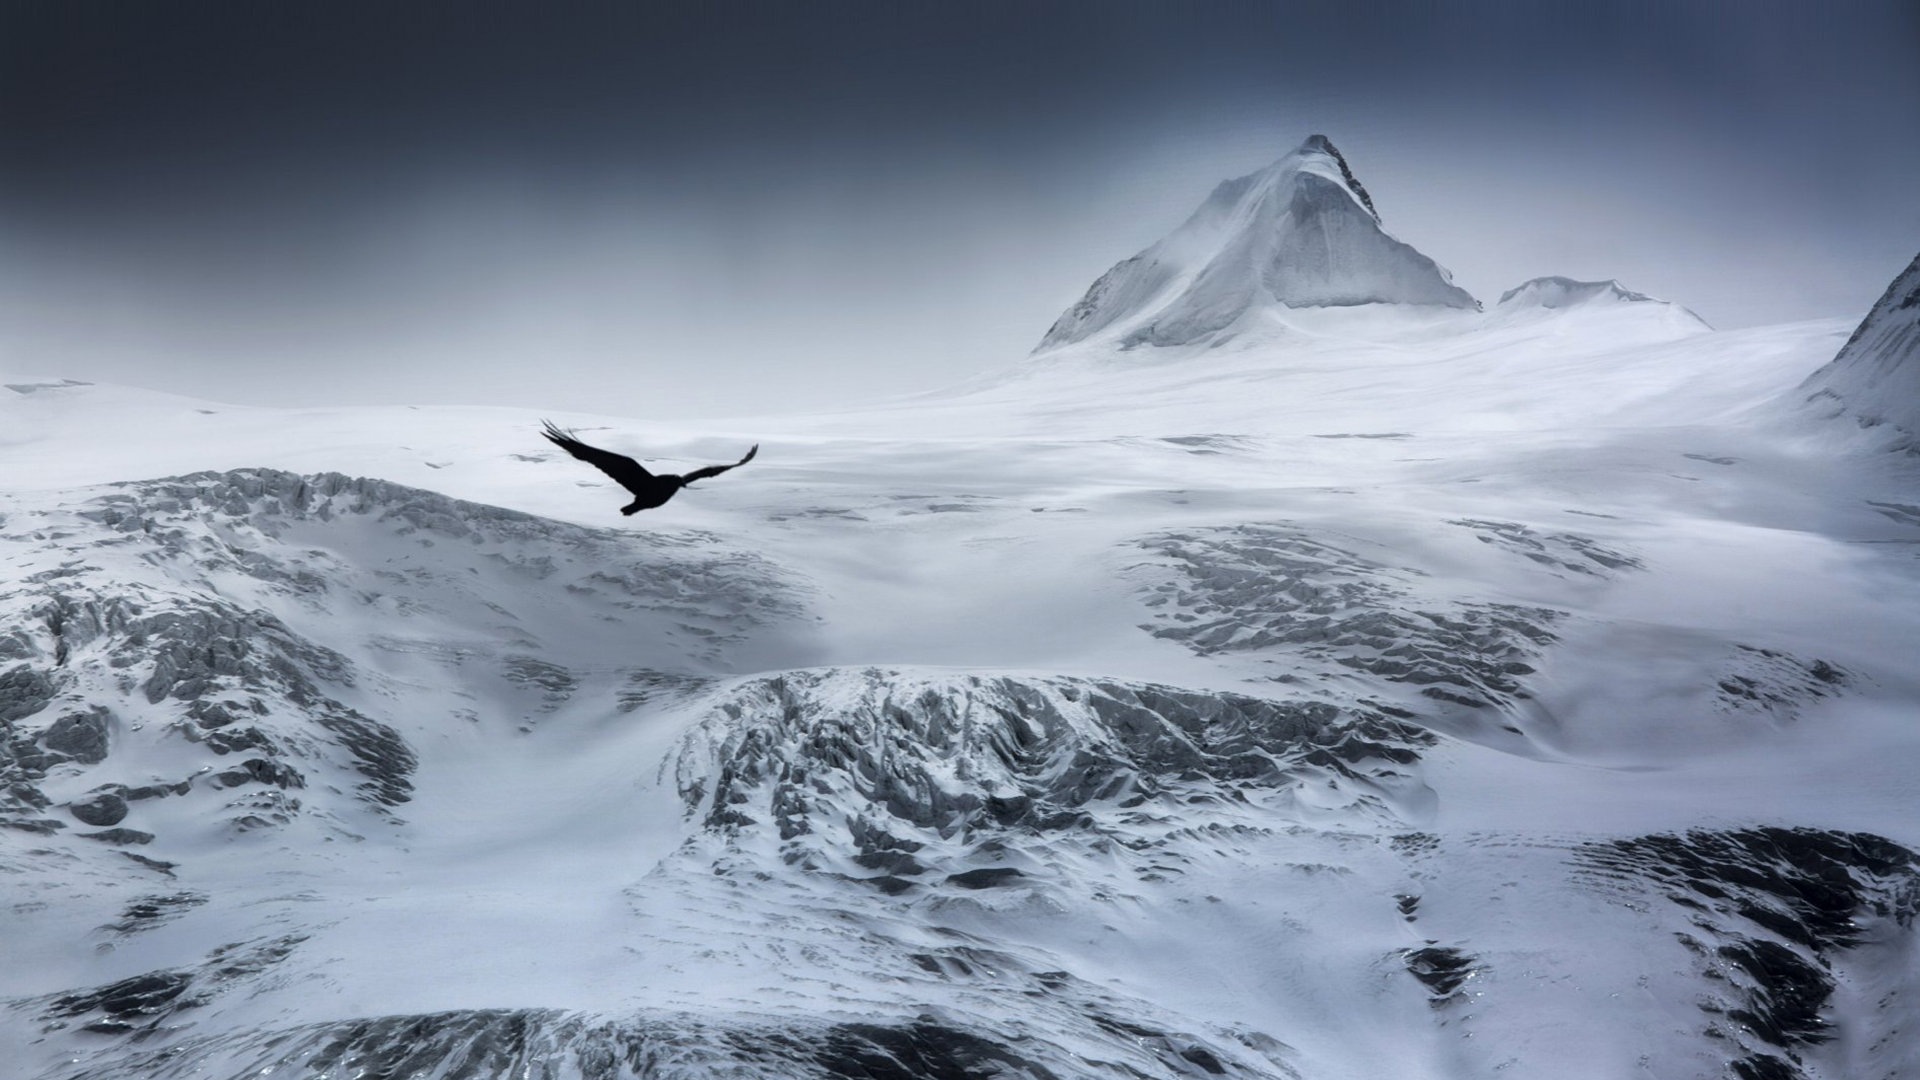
(622, 468)
(715, 470)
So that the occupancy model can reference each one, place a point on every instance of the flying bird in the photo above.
(648, 490)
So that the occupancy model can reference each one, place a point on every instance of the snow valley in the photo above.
(1295, 669)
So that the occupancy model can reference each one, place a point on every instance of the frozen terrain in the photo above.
(1379, 689)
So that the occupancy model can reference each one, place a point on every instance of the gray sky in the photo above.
(741, 207)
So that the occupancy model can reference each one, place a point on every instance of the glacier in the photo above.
(1343, 689)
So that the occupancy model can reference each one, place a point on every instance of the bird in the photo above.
(648, 490)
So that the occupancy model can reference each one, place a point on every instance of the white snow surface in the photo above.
(1399, 692)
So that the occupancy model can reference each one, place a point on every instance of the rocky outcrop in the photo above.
(1774, 914)
(1318, 614)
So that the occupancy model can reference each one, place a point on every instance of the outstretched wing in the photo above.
(715, 470)
(624, 470)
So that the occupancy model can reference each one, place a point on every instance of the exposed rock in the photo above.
(1314, 609)
(1775, 683)
(81, 736)
(987, 877)
(103, 809)
(1775, 912)
(1558, 552)
(1443, 970)
(24, 690)
(548, 1044)
(120, 1006)
(980, 754)
(120, 836)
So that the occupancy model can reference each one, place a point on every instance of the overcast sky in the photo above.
(653, 209)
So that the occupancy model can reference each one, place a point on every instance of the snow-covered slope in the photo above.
(1411, 692)
(1875, 379)
(1302, 232)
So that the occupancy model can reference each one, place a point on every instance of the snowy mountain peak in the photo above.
(1302, 232)
(1558, 292)
(1555, 293)
(1875, 378)
(1320, 144)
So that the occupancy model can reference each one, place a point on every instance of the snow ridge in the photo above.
(1555, 291)
(1875, 378)
(1322, 143)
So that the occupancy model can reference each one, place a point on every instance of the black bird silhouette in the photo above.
(648, 490)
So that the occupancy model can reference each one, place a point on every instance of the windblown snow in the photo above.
(1406, 690)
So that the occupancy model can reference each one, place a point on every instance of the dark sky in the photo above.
(648, 208)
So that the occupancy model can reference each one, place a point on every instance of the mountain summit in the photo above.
(1565, 294)
(1302, 232)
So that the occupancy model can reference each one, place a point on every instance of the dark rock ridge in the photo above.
(1559, 552)
(867, 773)
(1301, 233)
(1327, 616)
(1776, 683)
(258, 700)
(151, 601)
(1775, 917)
(1443, 970)
(546, 1044)
(1322, 144)
(717, 589)
(150, 1003)
(1875, 378)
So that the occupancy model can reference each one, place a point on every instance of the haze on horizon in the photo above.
(754, 207)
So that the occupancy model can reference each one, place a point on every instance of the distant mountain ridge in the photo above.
(1302, 233)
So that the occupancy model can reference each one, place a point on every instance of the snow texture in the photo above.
(1403, 690)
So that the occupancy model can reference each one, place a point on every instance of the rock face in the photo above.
(1875, 378)
(1302, 232)
(1776, 915)
(1318, 614)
